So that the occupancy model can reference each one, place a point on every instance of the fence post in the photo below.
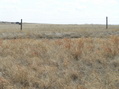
(106, 22)
(21, 24)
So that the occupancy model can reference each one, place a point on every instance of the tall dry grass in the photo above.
(82, 63)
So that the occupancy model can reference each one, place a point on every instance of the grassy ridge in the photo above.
(82, 63)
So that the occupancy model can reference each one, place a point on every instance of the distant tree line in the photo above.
(5, 22)
(18, 23)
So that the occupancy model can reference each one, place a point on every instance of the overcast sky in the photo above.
(60, 11)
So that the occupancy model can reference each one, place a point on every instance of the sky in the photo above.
(60, 11)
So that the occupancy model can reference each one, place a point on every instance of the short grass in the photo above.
(36, 31)
(65, 63)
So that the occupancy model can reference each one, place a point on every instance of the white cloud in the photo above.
(104, 1)
(64, 11)
(11, 1)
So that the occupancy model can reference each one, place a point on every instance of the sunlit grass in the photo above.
(80, 63)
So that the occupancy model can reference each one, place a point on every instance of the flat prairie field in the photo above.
(54, 31)
(47, 56)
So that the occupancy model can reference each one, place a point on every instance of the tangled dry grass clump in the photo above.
(81, 63)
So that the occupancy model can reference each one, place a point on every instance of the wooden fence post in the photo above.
(106, 22)
(21, 24)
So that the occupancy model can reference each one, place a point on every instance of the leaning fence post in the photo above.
(21, 24)
(106, 22)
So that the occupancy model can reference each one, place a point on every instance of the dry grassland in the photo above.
(67, 63)
(50, 31)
